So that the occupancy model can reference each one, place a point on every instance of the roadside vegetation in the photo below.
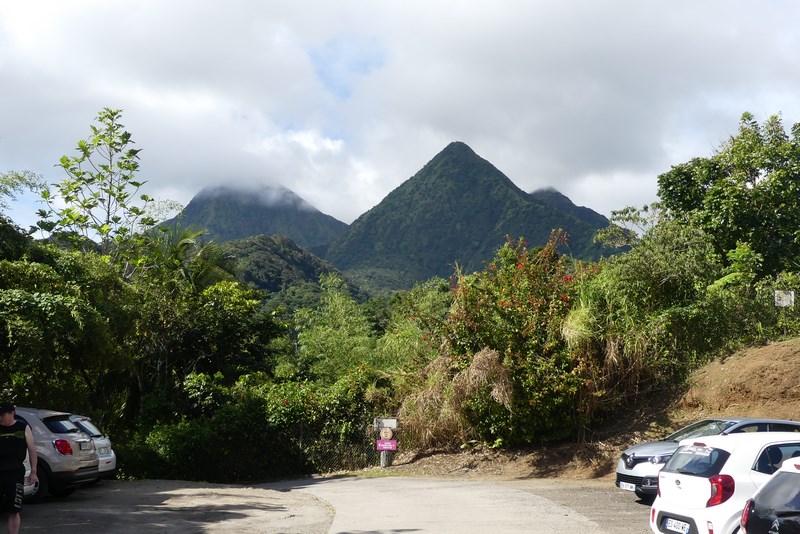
(198, 377)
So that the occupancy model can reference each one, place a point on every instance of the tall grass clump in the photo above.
(438, 414)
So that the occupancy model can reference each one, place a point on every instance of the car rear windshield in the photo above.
(60, 425)
(781, 494)
(697, 460)
(88, 427)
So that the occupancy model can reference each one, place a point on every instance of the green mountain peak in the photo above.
(457, 209)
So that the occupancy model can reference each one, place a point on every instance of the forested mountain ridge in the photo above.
(458, 209)
(287, 272)
(273, 263)
(561, 202)
(229, 213)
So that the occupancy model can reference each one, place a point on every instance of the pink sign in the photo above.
(386, 445)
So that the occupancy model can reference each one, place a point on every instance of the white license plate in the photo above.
(676, 526)
(627, 486)
(86, 446)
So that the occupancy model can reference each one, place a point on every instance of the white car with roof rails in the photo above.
(704, 486)
(66, 456)
(638, 466)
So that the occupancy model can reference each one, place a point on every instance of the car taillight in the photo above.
(745, 516)
(63, 447)
(722, 487)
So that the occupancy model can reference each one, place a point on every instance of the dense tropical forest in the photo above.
(197, 376)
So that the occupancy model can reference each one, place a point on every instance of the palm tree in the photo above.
(185, 261)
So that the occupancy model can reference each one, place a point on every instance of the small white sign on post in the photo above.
(784, 299)
(385, 422)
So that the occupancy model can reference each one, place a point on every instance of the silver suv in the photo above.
(66, 456)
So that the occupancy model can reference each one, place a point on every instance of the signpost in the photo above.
(384, 422)
(784, 299)
(386, 428)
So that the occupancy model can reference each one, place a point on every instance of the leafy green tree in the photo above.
(63, 316)
(13, 241)
(218, 331)
(746, 192)
(97, 199)
(13, 183)
(336, 337)
(655, 313)
(626, 226)
(302, 427)
(417, 327)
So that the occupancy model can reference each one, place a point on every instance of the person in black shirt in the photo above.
(15, 439)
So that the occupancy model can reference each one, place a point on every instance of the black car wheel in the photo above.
(42, 487)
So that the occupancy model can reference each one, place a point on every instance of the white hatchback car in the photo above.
(703, 488)
(106, 456)
(638, 466)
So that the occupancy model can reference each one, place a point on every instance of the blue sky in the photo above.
(341, 62)
(343, 101)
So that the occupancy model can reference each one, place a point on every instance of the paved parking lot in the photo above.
(344, 504)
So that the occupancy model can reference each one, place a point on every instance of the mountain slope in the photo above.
(273, 263)
(562, 203)
(457, 209)
(287, 272)
(228, 213)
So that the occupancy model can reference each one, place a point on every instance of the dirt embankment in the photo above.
(755, 382)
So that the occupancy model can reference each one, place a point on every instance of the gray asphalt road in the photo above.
(399, 504)
(387, 505)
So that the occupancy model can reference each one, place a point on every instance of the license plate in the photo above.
(86, 446)
(627, 486)
(676, 526)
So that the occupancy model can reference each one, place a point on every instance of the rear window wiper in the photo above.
(787, 513)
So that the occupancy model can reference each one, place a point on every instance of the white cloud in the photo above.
(341, 102)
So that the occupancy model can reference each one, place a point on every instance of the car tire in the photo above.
(646, 498)
(42, 487)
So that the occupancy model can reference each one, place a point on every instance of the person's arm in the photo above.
(31, 454)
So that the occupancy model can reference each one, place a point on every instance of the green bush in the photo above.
(263, 431)
(504, 374)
